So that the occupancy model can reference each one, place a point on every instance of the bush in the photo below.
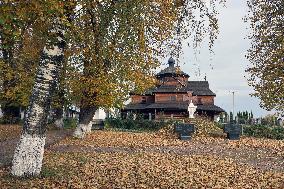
(137, 124)
(206, 128)
(10, 120)
(70, 123)
(263, 131)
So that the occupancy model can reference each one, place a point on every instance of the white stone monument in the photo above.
(191, 109)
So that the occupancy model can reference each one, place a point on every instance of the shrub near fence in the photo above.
(263, 131)
(137, 124)
(70, 123)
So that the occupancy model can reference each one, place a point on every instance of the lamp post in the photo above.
(233, 92)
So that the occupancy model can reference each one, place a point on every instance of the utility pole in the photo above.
(233, 104)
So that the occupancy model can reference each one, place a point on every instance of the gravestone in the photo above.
(98, 124)
(233, 131)
(184, 130)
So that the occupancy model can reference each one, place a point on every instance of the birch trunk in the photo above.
(29, 152)
(59, 123)
(85, 121)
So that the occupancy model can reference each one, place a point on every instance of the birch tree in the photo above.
(52, 16)
(29, 152)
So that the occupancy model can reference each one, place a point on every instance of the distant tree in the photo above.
(226, 118)
(239, 115)
(266, 52)
(231, 117)
(246, 115)
(270, 120)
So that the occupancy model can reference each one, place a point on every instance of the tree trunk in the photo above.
(28, 155)
(85, 121)
(58, 117)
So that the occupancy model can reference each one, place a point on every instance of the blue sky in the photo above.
(225, 70)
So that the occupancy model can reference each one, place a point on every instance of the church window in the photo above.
(199, 101)
(143, 100)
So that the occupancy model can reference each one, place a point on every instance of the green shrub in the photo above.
(137, 124)
(10, 120)
(263, 131)
(70, 123)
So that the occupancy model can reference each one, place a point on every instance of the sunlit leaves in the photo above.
(119, 43)
(113, 46)
(267, 52)
(23, 33)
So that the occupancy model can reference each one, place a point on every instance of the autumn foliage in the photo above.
(266, 52)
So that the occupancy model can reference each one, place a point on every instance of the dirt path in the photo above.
(7, 147)
(263, 159)
(260, 158)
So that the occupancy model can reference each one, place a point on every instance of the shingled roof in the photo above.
(200, 88)
(173, 106)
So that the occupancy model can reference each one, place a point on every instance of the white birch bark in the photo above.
(29, 152)
(82, 129)
(28, 156)
(85, 122)
(59, 123)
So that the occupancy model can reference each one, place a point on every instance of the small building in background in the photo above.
(169, 99)
(100, 114)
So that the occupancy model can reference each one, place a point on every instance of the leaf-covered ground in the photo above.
(111, 159)
(10, 135)
(8, 132)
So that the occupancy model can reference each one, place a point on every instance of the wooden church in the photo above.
(169, 99)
